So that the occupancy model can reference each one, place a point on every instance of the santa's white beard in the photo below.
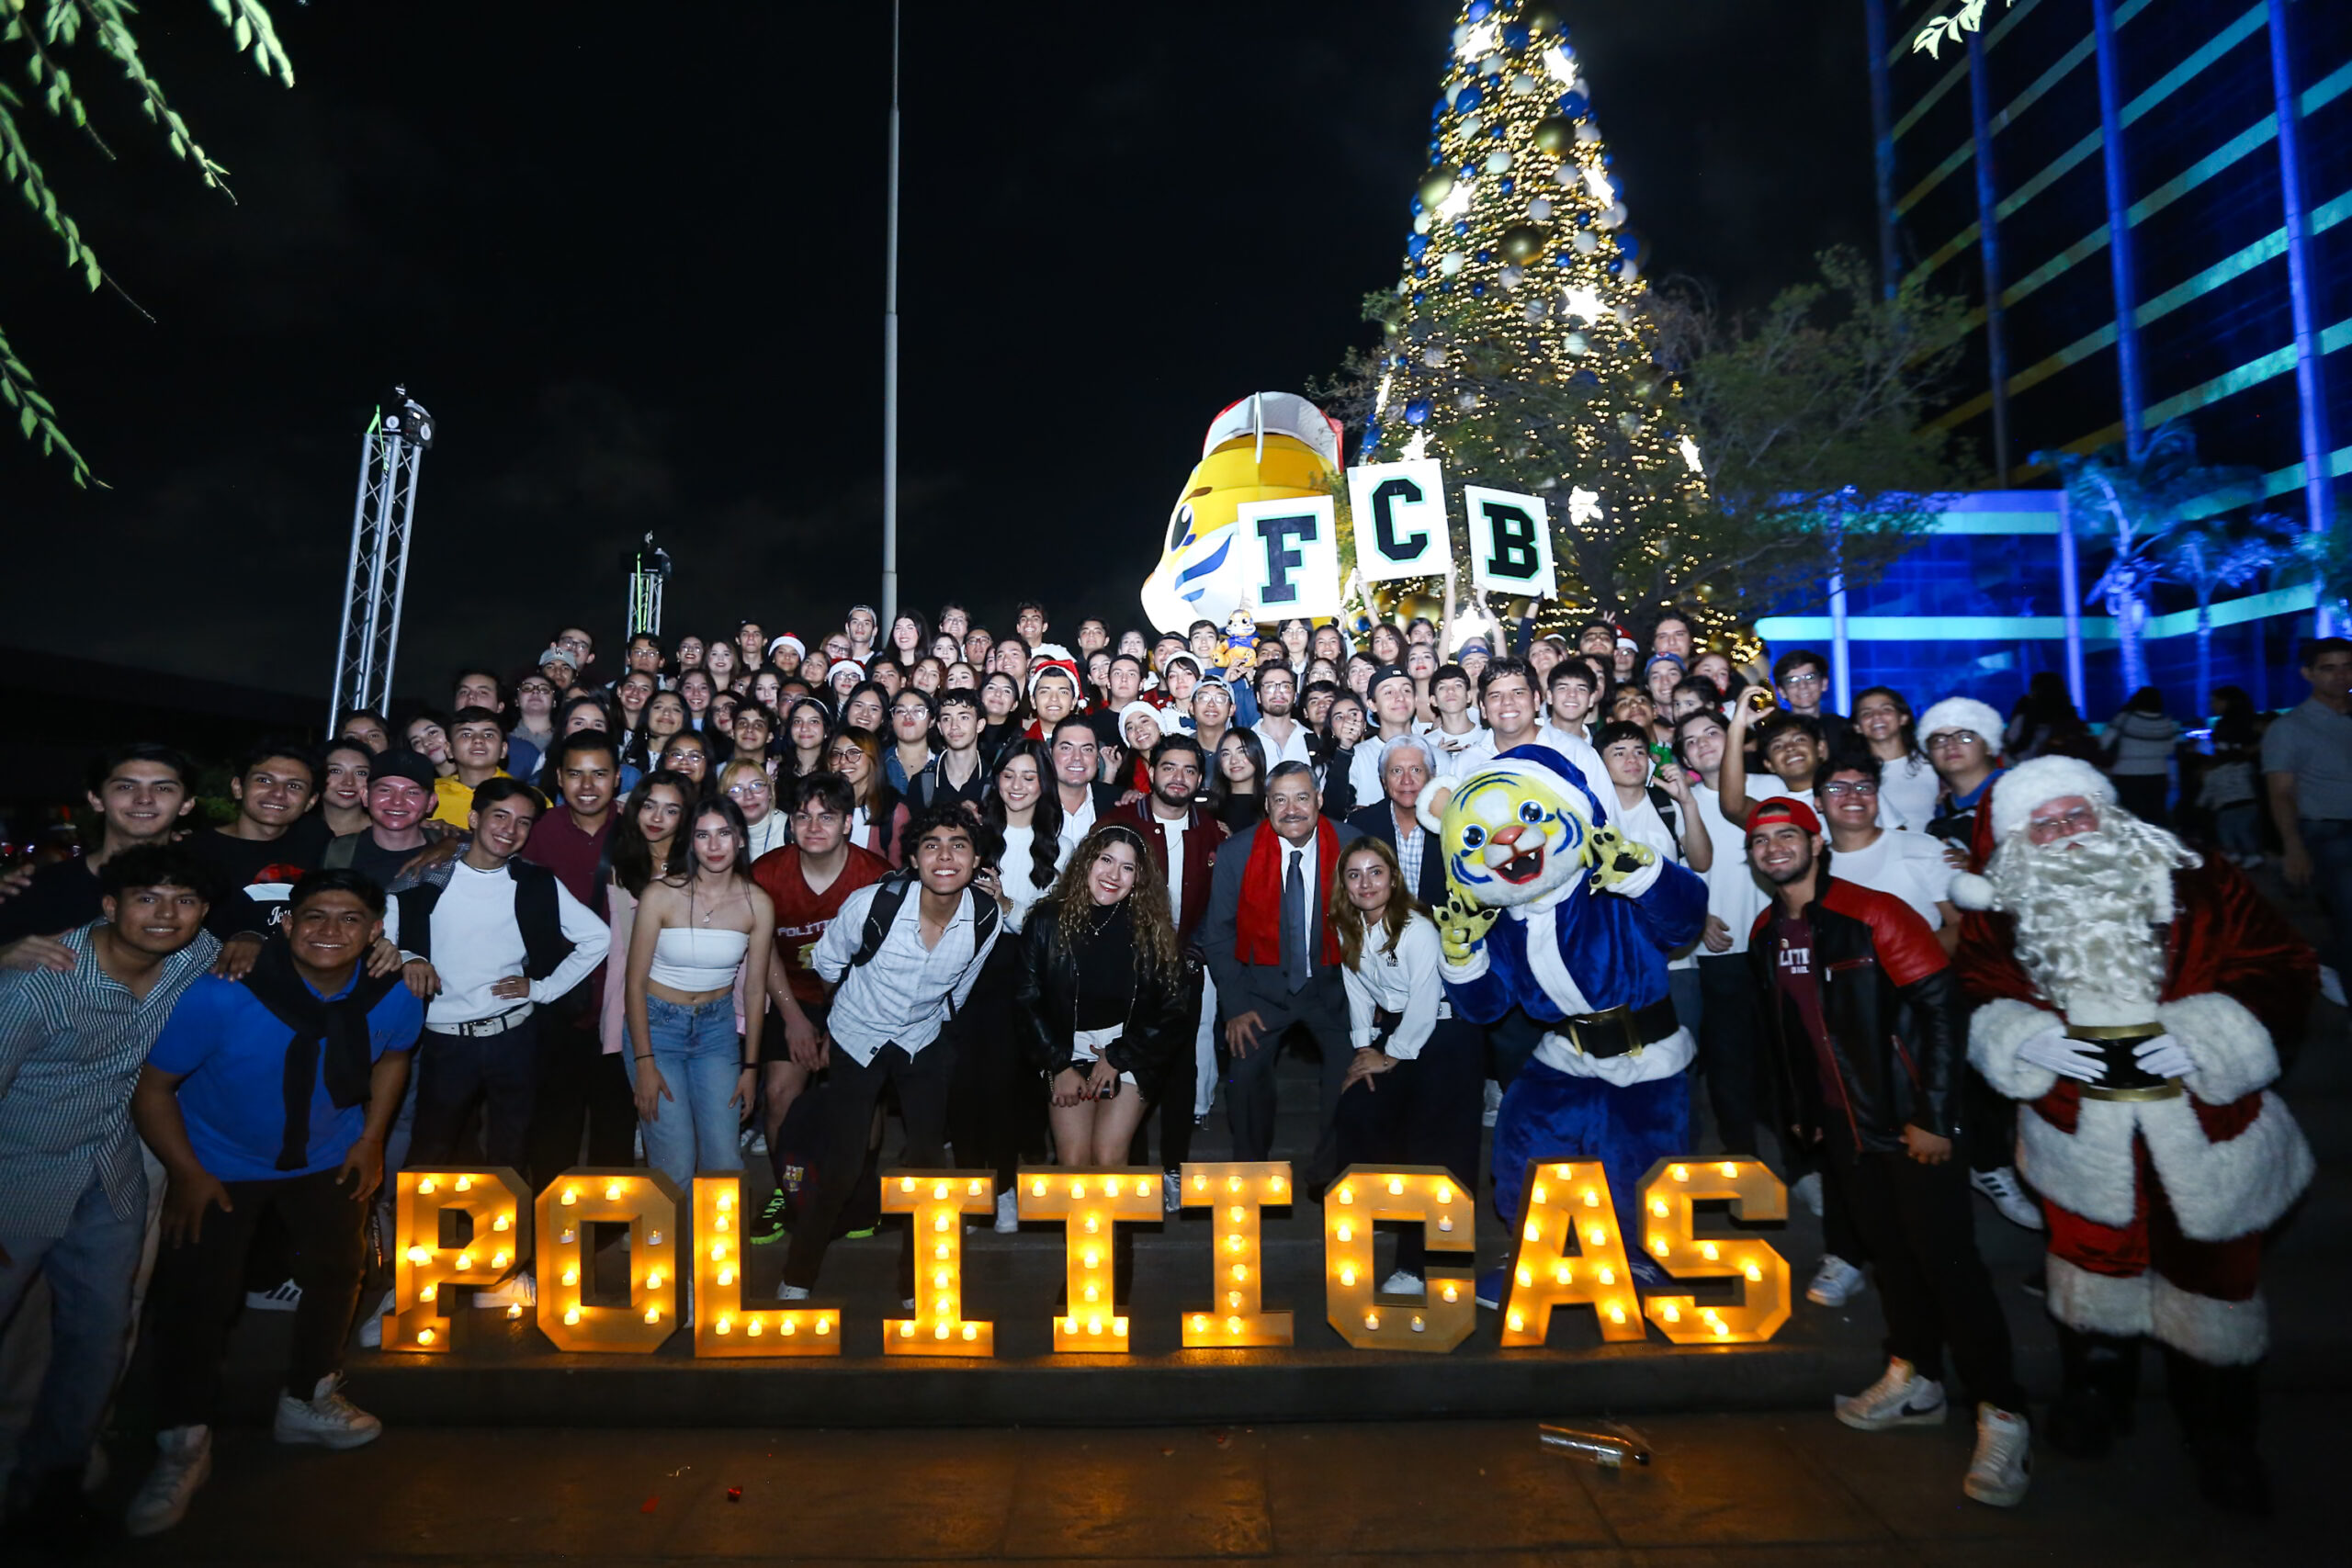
(2088, 911)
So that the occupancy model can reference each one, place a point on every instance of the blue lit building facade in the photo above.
(2148, 205)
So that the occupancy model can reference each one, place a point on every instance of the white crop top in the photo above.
(688, 958)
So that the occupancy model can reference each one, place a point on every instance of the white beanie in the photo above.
(2029, 786)
(1963, 713)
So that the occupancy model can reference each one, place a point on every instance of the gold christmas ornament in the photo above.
(1523, 243)
(1555, 135)
(1436, 186)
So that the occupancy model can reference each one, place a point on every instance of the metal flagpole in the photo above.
(890, 362)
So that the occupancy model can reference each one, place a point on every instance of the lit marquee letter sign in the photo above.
(492, 1203)
(721, 1326)
(1091, 1204)
(646, 1202)
(1426, 1195)
(938, 1200)
(1234, 1192)
(1670, 1195)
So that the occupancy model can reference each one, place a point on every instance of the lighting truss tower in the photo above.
(647, 573)
(376, 582)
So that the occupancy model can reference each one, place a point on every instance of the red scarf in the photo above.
(1258, 921)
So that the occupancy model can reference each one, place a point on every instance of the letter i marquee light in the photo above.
(1669, 1196)
(493, 1203)
(1570, 1251)
(1091, 1204)
(1234, 1192)
(721, 1326)
(646, 1202)
(938, 1200)
(1428, 1195)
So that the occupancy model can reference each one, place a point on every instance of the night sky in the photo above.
(630, 257)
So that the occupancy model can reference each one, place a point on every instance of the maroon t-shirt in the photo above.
(1792, 964)
(801, 916)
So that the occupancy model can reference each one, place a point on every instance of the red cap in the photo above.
(1780, 808)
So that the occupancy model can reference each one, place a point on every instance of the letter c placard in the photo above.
(1400, 512)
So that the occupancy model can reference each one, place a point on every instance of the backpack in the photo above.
(889, 896)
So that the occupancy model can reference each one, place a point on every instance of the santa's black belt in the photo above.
(2124, 1080)
(1620, 1032)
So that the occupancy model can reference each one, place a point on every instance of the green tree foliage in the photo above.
(41, 35)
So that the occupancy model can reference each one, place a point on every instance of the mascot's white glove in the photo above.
(1614, 857)
(2066, 1057)
(2164, 1057)
(1460, 924)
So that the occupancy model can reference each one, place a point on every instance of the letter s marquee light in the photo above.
(493, 1203)
(1670, 1195)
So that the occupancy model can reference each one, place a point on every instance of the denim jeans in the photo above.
(2330, 846)
(89, 1269)
(700, 1059)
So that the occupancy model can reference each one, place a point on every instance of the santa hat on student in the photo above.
(1963, 713)
(1054, 656)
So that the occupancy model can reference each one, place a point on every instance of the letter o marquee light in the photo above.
(1438, 1321)
(647, 1201)
(493, 1203)
(1670, 1194)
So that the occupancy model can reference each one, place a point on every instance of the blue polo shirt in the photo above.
(231, 1051)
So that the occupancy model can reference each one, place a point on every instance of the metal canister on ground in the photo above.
(1601, 1448)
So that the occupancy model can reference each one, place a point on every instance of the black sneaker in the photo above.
(771, 1226)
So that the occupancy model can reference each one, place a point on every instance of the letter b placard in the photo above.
(1291, 549)
(1510, 544)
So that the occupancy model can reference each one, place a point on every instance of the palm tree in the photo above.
(2210, 554)
(2329, 554)
(2136, 504)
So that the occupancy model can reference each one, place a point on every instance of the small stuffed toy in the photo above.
(1240, 641)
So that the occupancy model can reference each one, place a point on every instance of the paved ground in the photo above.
(1758, 1490)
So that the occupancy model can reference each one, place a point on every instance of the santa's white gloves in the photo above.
(2164, 1057)
(2068, 1058)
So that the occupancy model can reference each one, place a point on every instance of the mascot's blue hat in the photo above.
(1540, 763)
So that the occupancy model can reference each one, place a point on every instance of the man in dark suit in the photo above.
(1406, 765)
(1183, 840)
(1275, 962)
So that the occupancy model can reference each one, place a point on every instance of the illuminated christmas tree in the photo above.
(1519, 347)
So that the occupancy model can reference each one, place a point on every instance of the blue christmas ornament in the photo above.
(1616, 266)
(1461, 226)
(1585, 378)
(1417, 208)
(1564, 260)
(1575, 106)
(1485, 256)
(1515, 35)
(1481, 9)
(1468, 98)
(1445, 288)
(1608, 160)
(1470, 171)
(1584, 218)
(1630, 245)
(1421, 271)
(1418, 298)
(1507, 182)
(1416, 245)
(1478, 290)
(1438, 110)
(1418, 411)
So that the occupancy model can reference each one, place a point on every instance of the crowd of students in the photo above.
(1045, 900)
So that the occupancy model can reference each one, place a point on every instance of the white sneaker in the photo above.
(1835, 1282)
(2002, 1465)
(1806, 1189)
(183, 1463)
(2008, 1196)
(326, 1418)
(1494, 1103)
(284, 1296)
(1171, 1192)
(519, 1288)
(1008, 1213)
(371, 1324)
(1901, 1398)
(2331, 985)
(792, 1293)
(1401, 1284)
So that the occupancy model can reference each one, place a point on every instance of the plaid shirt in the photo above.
(72, 1043)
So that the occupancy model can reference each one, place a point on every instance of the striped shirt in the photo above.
(72, 1043)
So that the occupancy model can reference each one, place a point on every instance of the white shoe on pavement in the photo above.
(1806, 1189)
(1171, 1192)
(519, 1288)
(1835, 1282)
(284, 1296)
(1008, 1213)
(2002, 1467)
(183, 1463)
(326, 1418)
(371, 1324)
(2331, 985)
(2008, 1196)
(1400, 1283)
(1900, 1398)
(792, 1293)
(1494, 1104)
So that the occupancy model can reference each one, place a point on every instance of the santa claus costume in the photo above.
(2131, 993)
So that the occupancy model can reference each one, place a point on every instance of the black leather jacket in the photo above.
(1891, 1008)
(1044, 995)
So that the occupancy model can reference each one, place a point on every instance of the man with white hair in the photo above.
(2131, 993)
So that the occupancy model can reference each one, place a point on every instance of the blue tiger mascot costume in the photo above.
(1550, 909)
